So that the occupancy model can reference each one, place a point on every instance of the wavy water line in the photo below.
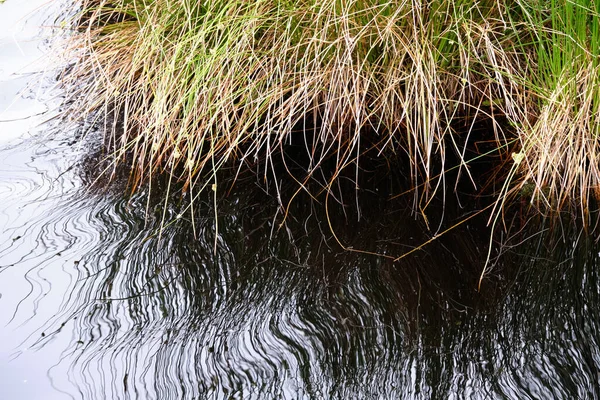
(163, 317)
(166, 318)
(134, 314)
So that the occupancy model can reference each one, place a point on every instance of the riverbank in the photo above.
(186, 89)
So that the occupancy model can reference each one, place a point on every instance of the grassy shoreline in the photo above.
(195, 85)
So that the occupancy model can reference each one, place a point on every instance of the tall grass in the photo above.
(562, 38)
(195, 84)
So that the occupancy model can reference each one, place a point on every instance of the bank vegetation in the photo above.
(187, 87)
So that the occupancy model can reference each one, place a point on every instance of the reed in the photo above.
(196, 84)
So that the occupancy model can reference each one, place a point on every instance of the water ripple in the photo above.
(135, 312)
(111, 306)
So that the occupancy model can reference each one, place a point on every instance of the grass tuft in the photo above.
(560, 142)
(194, 85)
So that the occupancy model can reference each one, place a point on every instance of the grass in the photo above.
(191, 86)
(561, 141)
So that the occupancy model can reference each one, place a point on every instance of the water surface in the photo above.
(97, 301)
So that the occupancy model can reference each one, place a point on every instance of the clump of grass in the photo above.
(560, 140)
(195, 84)
(186, 87)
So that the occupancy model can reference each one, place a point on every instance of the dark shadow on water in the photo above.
(280, 310)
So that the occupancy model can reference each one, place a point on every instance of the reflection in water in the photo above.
(548, 340)
(102, 304)
(282, 312)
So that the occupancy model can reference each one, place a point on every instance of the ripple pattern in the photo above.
(103, 302)
(156, 315)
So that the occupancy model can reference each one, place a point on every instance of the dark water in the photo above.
(97, 302)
